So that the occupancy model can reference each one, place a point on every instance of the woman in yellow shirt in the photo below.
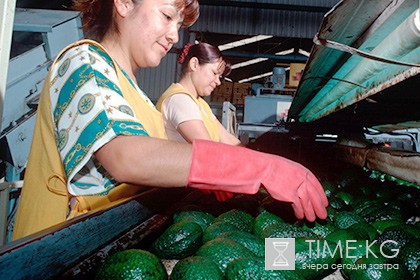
(186, 115)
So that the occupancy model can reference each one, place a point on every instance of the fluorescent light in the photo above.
(286, 52)
(248, 62)
(255, 77)
(242, 42)
(303, 52)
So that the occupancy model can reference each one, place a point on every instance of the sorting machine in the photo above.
(38, 36)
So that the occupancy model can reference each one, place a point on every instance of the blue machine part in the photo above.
(279, 77)
(267, 108)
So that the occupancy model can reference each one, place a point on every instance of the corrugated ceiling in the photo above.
(334, 79)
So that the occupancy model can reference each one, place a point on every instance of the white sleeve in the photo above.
(179, 108)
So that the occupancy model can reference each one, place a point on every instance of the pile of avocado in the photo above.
(372, 226)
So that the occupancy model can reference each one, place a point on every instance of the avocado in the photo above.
(329, 188)
(357, 249)
(180, 240)
(345, 219)
(132, 264)
(384, 214)
(321, 229)
(217, 228)
(307, 256)
(196, 268)
(202, 218)
(222, 251)
(331, 212)
(286, 231)
(394, 238)
(345, 196)
(239, 218)
(250, 241)
(365, 230)
(337, 203)
(265, 219)
(409, 256)
(364, 207)
(381, 226)
(379, 268)
(341, 235)
(254, 269)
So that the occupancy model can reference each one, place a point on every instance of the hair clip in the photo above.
(184, 53)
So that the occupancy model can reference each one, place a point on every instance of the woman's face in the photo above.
(206, 77)
(150, 30)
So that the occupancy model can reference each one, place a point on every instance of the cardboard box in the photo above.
(295, 74)
(241, 88)
(225, 89)
(220, 98)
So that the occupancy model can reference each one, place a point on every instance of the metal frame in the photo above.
(229, 117)
(7, 8)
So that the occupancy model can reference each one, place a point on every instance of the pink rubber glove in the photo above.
(221, 167)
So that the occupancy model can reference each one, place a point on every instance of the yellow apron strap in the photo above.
(52, 187)
(83, 204)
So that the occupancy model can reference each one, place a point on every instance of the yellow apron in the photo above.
(44, 201)
(205, 110)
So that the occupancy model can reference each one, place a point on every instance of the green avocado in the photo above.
(265, 219)
(409, 256)
(132, 264)
(345, 219)
(239, 218)
(196, 268)
(381, 226)
(364, 207)
(204, 219)
(180, 240)
(365, 230)
(216, 229)
(356, 249)
(254, 269)
(342, 235)
(380, 268)
(250, 241)
(321, 229)
(384, 214)
(394, 238)
(312, 258)
(222, 251)
(286, 231)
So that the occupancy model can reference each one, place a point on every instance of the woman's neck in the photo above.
(120, 56)
(189, 86)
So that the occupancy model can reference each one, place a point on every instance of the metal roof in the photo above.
(291, 23)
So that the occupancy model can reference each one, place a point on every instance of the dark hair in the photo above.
(205, 53)
(98, 15)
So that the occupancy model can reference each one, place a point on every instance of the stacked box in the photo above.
(222, 93)
(240, 90)
(296, 71)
